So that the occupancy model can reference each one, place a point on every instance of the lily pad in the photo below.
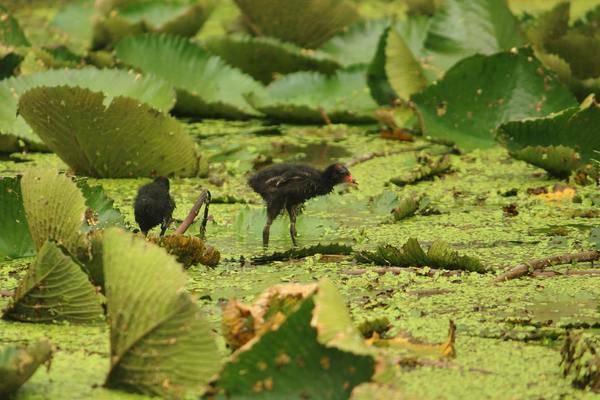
(113, 83)
(74, 22)
(15, 239)
(264, 58)
(124, 138)
(411, 254)
(133, 18)
(307, 23)
(160, 343)
(55, 210)
(205, 85)
(559, 143)
(311, 349)
(19, 363)
(55, 289)
(11, 39)
(356, 45)
(394, 73)
(310, 97)
(462, 28)
(482, 92)
(103, 212)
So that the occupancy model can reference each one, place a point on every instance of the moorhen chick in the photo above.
(154, 206)
(288, 186)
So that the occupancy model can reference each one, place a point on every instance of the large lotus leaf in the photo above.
(311, 351)
(122, 139)
(55, 289)
(113, 83)
(55, 209)
(18, 364)
(308, 97)
(462, 28)
(482, 92)
(307, 23)
(104, 214)
(15, 239)
(11, 33)
(74, 22)
(358, 44)
(206, 86)
(265, 58)
(573, 128)
(395, 72)
(549, 25)
(160, 343)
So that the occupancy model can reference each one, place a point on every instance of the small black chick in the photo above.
(154, 206)
(288, 186)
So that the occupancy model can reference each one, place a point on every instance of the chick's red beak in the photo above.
(349, 179)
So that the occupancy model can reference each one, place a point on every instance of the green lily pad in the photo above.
(462, 28)
(411, 254)
(558, 143)
(310, 97)
(124, 138)
(19, 363)
(314, 352)
(264, 58)
(55, 289)
(395, 73)
(482, 92)
(15, 239)
(356, 45)
(180, 18)
(307, 23)
(160, 343)
(11, 39)
(55, 210)
(113, 83)
(105, 214)
(205, 85)
(75, 24)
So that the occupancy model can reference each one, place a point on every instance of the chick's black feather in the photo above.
(154, 205)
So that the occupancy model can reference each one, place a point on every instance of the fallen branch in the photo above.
(574, 272)
(204, 198)
(398, 270)
(325, 116)
(536, 265)
(6, 293)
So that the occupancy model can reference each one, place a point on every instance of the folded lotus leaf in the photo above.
(357, 44)
(160, 343)
(205, 85)
(559, 143)
(264, 58)
(113, 83)
(307, 23)
(482, 92)
(15, 239)
(311, 349)
(124, 138)
(18, 364)
(55, 289)
(310, 97)
(55, 210)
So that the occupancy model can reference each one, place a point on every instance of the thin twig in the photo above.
(399, 270)
(204, 198)
(536, 265)
(325, 116)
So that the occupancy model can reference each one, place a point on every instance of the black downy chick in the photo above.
(154, 206)
(288, 186)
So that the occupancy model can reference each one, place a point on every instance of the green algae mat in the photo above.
(464, 265)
